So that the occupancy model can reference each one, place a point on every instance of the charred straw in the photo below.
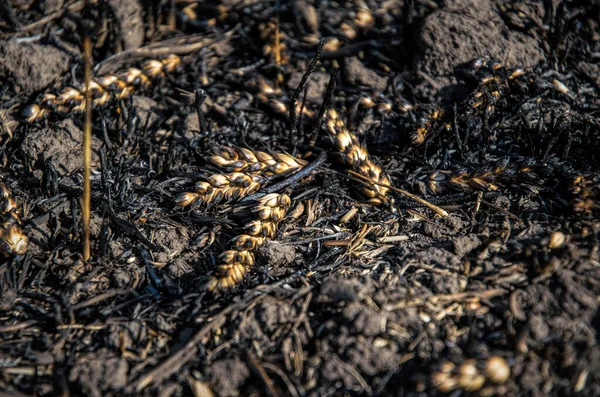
(236, 262)
(355, 154)
(104, 90)
(12, 239)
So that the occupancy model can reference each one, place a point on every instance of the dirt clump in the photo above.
(357, 74)
(465, 30)
(31, 66)
(128, 17)
(59, 144)
(228, 376)
(95, 372)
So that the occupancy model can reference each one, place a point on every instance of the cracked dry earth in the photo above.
(425, 222)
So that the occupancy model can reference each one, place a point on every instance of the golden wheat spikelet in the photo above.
(261, 228)
(254, 161)
(221, 188)
(246, 242)
(233, 266)
(12, 239)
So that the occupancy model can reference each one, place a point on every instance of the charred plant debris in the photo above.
(246, 242)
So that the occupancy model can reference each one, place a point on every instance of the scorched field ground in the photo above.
(301, 198)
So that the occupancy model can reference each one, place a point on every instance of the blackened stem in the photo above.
(294, 100)
(291, 180)
(201, 96)
(324, 106)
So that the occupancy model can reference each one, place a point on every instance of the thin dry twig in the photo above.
(257, 366)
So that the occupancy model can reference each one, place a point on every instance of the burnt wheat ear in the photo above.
(253, 161)
(235, 263)
(470, 375)
(246, 172)
(12, 239)
(104, 89)
(355, 155)
(220, 188)
(585, 190)
(273, 100)
(425, 125)
(494, 81)
(380, 103)
(483, 179)
(487, 71)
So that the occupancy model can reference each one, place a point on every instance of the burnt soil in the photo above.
(330, 308)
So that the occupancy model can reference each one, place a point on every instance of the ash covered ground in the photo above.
(488, 110)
